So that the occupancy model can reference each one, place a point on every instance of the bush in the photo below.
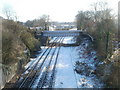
(15, 39)
(12, 48)
(30, 41)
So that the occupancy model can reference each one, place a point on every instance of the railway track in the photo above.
(43, 53)
(52, 77)
(36, 69)
(46, 76)
(40, 73)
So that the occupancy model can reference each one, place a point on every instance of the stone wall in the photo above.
(7, 72)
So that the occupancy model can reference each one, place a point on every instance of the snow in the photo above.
(73, 29)
(66, 74)
(64, 70)
(59, 33)
(69, 40)
(53, 39)
(33, 61)
(67, 77)
(43, 69)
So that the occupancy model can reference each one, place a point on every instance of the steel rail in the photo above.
(41, 83)
(39, 69)
(54, 69)
(24, 81)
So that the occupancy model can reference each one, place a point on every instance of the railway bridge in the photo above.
(44, 71)
(43, 35)
(60, 33)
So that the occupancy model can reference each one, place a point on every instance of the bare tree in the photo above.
(104, 21)
(10, 14)
(15, 16)
(7, 12)
(101, 24)
(43, 22)
(101, 11)
(83, 19)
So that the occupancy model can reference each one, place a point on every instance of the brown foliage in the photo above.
(15, 40)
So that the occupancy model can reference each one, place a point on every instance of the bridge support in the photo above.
(42, 39)
(44, 35)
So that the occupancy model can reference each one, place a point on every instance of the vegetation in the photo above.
(102, 25)
(43, 22)
(16, 39)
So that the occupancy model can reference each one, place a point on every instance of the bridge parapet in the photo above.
(60, 33)
(44, 35)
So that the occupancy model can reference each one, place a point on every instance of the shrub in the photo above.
(15, 39)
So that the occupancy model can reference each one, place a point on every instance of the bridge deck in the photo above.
(61, 33)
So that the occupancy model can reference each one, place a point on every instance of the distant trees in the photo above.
(10, 14)
(83, 19)
(7, 12)
(104, 28)
(29, 23)
(42, 22)
(100, 23)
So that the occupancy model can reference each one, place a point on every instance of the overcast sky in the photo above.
(59, 10)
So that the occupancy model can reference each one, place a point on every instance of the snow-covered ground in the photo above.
(75, 66)
(67, 77)
(66, 73)
(73, 29)
(53, 39)
(69, 40)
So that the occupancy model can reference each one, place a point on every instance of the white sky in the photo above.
(59, 10)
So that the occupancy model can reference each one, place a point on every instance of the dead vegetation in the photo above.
(16, 39)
